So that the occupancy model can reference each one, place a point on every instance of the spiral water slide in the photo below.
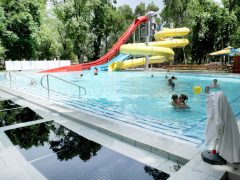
(160, 50)
(108, 56)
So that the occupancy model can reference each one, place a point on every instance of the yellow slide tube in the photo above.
(176, 32)
(146, 50)
(118, 65)
(160, 50)
(170, 43)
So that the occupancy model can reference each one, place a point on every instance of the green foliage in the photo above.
(87, 29)
(75, 17)
(101, 25)
(213, 27)
(236, 38)
(21, 23)
(48, 47)
(152, 7)
(140, 10)
(174, 11)
(2, 51)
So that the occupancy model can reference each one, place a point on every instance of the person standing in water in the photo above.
(95, 71)
(215, 84)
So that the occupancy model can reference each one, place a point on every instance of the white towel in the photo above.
(221, 123)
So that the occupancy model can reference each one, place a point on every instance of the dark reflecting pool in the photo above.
(59, 153)
(15, 116)
(8, 104)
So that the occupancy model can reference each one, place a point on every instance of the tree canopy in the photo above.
(84, 30)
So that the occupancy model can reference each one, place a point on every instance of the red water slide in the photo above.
(107, 57)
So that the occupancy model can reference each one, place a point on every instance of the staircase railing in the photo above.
(80, 88)
(9, 76)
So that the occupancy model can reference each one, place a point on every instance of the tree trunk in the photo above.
(97, 45)
(106, 43)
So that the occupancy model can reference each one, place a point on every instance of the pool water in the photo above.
(138, 93)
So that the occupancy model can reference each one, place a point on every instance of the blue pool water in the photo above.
(138, 93)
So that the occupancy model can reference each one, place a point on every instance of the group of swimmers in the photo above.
(95, 72)
(171, 83)
(180, 101)
(170, 80)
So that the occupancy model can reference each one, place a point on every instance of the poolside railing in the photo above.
(80, 88)
(9, 76)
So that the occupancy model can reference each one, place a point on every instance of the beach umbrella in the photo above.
(234, 52)
(222, 129)
(222, 52)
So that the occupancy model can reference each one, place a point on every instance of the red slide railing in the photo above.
(108, 56)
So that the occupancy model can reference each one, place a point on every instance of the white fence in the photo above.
(35, 65)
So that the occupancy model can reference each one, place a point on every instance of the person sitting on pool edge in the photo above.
(95, 71)
(215, 84)
(183, 100)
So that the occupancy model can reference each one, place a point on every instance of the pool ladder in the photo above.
(49, 89)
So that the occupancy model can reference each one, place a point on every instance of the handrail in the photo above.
(10, 77)
(48, 88)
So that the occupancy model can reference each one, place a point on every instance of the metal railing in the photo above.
(10, 75)
(49, 89)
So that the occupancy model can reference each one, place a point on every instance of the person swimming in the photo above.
(175, 101)
(167, 74)
(215, 84)
(179, 102)
(183, 101)
(80, 76)
(171, 83)
(95, 71)
(173, 78)
(33, 82)
(207, 90)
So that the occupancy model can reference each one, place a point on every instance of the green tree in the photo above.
(23, 19)
(75, 17)
(48, 47)
(174, 12)
(100, 15)
(126, 18)
(152, 7)
(212, 27)
(2, 31)
(140, 10)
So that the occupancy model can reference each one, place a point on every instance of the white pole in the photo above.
(147, 42)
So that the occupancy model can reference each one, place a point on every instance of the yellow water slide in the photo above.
(160, 50)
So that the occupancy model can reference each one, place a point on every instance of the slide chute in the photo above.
(160, 50)
(108, 56)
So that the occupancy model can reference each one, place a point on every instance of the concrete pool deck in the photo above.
(147, 147)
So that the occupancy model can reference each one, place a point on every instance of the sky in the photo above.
(134, 3)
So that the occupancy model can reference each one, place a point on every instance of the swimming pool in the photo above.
(147, 98)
